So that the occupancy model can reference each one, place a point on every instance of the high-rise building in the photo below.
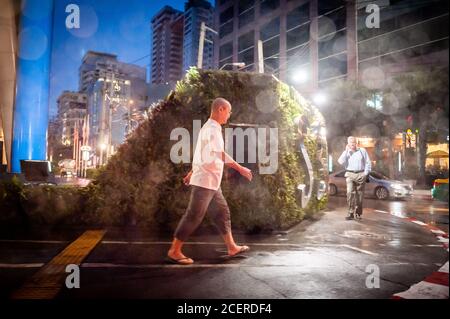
(196, 12)
(319, 41)
(114, 90)
(96, 65)
(175, 41)
(411, 33)
(167, 46)
(72, 110)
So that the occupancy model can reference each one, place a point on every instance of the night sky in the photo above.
(120, 27)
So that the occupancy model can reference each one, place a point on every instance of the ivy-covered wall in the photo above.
(140, 184)
(140, 178)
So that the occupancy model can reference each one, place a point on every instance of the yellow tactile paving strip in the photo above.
(47, 282)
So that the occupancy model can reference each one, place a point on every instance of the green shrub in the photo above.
(53, 204)
(93, 173)
(45, 204)
(12, 198)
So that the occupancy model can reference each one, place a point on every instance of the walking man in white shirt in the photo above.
(205, 178)
(357, 165)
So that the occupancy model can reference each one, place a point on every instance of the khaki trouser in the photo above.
(204, 200)
(355, 192)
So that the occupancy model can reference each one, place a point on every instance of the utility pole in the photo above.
(128, 119)
(85, 149)
(77, 147)
(200, 46)
(260, 57)
(112, 93)
(103, 123)
(201, 42)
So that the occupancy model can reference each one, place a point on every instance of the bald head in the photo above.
(218, 103)
(220, 110)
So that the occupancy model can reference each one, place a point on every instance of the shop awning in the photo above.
(437, 154)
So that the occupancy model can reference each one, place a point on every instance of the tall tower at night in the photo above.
(167, 46)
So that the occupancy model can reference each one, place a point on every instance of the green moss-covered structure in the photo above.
(141, 182)
(141, 185)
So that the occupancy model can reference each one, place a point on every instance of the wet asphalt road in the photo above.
(323, 258)
(430, 211)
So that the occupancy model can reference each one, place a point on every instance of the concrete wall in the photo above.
(8, 50)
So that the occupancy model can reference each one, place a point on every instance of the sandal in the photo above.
(242, 250)
(180, 261)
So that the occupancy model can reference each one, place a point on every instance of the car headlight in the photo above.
(397, 186)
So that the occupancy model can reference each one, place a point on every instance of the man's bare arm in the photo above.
(187, 178)
(230, 162)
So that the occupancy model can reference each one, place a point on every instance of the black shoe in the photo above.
(358, 217)
(349, 217)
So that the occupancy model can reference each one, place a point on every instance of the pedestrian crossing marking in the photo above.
(47, 282)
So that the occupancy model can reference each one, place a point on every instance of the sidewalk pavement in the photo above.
(422, 194)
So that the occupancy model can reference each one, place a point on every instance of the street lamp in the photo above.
(240, 65)
(319, 98)
(300, 76)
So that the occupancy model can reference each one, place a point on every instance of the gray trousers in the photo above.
(355, 192)
(204, 200)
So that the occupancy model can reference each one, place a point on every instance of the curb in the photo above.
(435, 286)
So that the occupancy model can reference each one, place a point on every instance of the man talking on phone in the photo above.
(357, 164)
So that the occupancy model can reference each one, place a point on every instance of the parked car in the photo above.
(377, 184)
(440, 189)
(67, 168)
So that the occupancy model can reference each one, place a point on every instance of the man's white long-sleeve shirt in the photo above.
(356, 161)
